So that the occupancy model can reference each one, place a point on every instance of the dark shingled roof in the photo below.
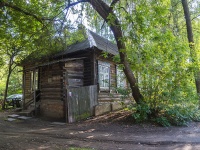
(93, 40)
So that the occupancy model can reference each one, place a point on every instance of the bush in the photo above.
(176, 114)
(141, 112)
(163, 121)
(124, 92)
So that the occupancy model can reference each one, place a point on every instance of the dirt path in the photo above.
(99, 133)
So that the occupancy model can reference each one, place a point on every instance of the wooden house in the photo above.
(72, 83)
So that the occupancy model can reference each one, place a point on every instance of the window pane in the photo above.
(104, 74)
(121, 80)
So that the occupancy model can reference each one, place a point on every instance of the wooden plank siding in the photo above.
(51, 84)
(75, 73)
(81, 102)
(27, 86)
(51, 91)
(88, 65)
(88, 76)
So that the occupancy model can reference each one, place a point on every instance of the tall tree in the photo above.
(192, 45)
(109, 16)
(11, 66)
(24, 30)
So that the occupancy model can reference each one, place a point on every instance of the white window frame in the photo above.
(34, 79)
(121, 80)
(104, 75)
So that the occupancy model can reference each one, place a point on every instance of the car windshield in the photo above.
(15, 96)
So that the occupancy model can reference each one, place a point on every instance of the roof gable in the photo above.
(102, 43)
(93, 40)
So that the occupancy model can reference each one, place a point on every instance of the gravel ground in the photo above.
(107, 132)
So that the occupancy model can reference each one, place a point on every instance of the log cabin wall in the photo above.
(90, 76)
(28, 82)
(55, 78)
(91, 58)
(74, 73)
(113, 76)
(51, 86)
(27, 86)
(89, 72)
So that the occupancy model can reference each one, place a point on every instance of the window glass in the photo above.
(31, 81)
(121, 80)
(104, 75)
(34, 80)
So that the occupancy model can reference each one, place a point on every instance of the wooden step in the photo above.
(28, 112)
(111, 96)
(108, 97)
(105, 101)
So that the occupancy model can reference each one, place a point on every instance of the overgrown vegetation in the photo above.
(177, 110)
(166, 115)
(160, 57)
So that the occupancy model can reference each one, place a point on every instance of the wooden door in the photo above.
(81, 102)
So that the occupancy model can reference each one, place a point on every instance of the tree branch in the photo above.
(195, 17)
(75, 3)
(113, 4)
(5, 4)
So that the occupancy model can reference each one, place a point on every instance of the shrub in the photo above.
(168, 115)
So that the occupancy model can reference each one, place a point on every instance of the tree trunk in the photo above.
(104, 11)
(10, 69)
(7, 82)
(191, 45)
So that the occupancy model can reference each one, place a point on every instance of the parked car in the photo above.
(14, 100)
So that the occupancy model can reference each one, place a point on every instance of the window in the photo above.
(34, 80)
(121, 80)
(31, 81)
(104, 75)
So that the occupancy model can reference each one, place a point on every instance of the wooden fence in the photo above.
(81, 102)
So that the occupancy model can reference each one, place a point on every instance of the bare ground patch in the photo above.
(107, 132)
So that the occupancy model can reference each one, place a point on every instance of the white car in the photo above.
(14, 100)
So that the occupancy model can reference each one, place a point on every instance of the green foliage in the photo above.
(26, 28)
(124, 92)
(159, 54)
(141, 112)
(105, 54)
(162, 121)
(181, 114)
(15, 84)
(76, 36)
(174, 114)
